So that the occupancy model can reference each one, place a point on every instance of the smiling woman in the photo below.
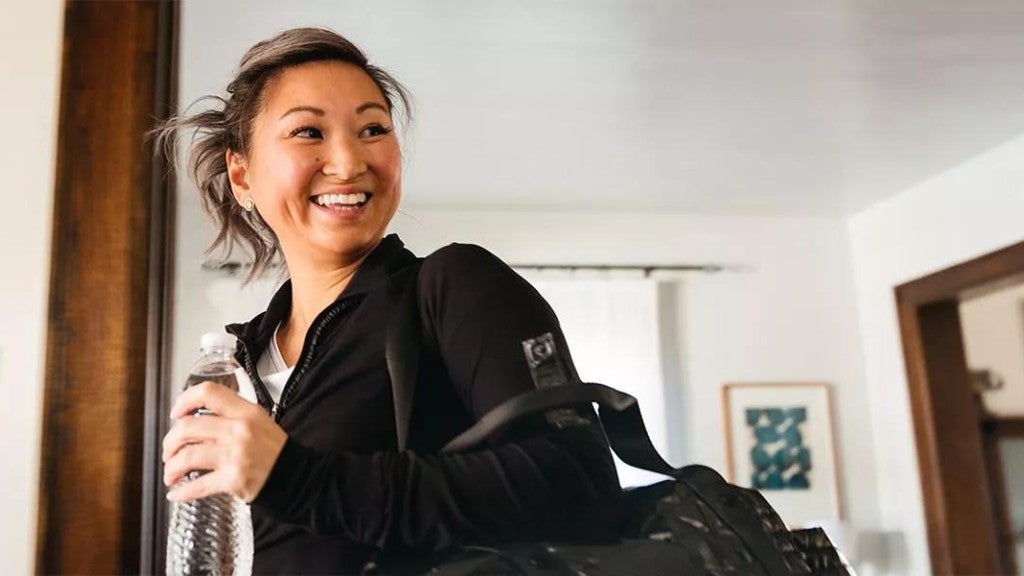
(323, 166)
(301, 160)
(308, 95)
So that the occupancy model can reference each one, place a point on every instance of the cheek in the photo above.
(293, 171)
(282, 179)
(389, 167)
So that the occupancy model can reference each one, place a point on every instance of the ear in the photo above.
(238, 175)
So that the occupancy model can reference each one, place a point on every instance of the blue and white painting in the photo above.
(779, 458)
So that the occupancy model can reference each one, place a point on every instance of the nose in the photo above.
(344, 160)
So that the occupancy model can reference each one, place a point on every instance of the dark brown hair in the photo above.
(228, 125)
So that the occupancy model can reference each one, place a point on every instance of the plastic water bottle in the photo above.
(213, 535)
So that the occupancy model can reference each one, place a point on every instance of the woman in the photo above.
(303, 159)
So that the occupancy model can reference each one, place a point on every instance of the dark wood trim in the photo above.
(927, 447)
(961, 463)
(99, 320)
(161, 281)
(1004, 426)
(1000, 506)
(959, 506)
(968, 279)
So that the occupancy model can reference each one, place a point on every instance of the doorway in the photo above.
(958, 438)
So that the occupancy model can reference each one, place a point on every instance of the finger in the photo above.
(213, 397)
(191, 430)
(205, 485)
(205, 457)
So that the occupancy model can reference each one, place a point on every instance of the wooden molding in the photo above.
(1005, 426)
(962, 522)
(968, 279)
(1000, 505)
(99, 342)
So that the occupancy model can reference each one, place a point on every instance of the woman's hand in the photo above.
(238, 444)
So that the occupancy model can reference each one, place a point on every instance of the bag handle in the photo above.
(619, 414)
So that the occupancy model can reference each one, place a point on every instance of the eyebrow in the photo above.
(319, 111)
(312, 109)
(368, 105)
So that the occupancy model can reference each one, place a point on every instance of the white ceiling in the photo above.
(744, 107)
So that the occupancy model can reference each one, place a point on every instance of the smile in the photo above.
(341, 200)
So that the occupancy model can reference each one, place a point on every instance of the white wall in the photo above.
(967, 211)
(30, 49)
(993, 327)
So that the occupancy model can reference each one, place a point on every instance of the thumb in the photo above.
(212, 396)
(206, 485)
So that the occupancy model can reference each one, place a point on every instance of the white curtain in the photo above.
(612, 328)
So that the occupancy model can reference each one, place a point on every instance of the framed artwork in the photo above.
(778, 440)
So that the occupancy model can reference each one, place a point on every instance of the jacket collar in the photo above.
(388, 257)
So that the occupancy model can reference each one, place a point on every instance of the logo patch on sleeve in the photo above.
(545, 363)
(548, 369)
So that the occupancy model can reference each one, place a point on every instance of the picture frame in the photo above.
(779, 441)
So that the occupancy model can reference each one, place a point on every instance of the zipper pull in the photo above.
(274, 410)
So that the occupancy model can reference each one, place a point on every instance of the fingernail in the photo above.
(172, 495)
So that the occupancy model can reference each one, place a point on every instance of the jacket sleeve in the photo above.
(553, 479)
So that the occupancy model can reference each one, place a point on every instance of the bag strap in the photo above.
(402, 351)
(619, 413)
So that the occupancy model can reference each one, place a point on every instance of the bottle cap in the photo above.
(212, 340)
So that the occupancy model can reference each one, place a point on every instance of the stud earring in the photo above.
(249, 204)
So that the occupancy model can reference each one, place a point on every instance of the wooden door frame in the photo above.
(993, 431)
(962, 519)
(99, 505)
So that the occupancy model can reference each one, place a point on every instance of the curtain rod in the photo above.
(232, 267)
(647, 269)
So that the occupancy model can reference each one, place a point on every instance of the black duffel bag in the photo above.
(696, 523)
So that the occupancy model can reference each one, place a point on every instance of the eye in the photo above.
(374, 130)
(307, 132)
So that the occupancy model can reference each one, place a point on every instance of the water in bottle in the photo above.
(213, 535)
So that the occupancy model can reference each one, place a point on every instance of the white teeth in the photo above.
(344, 199)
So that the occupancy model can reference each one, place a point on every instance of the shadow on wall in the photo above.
(881, 552)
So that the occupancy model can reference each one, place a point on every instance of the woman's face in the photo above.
(324, 166)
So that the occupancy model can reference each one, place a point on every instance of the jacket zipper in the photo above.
(262, 394)
(306, 357)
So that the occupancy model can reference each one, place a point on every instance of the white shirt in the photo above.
(273, 370)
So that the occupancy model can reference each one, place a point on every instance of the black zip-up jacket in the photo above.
(340, 489)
